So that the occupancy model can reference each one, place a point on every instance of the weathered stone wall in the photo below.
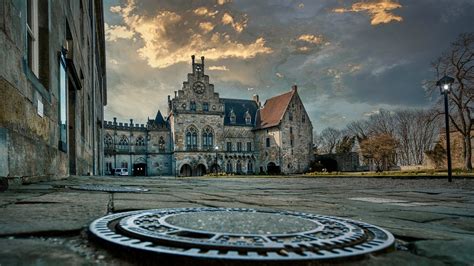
(234, 135)
(31, 140)
(297, 155)
(270, 154)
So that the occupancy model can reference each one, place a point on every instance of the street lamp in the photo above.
(444, 85)
(216, 148)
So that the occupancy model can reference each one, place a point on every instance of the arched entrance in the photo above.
(273, 169)
(214, 169)
(139, 167)
(200, 170)
(185, 170)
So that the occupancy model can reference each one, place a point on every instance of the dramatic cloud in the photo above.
(162, 46)
(378, 10)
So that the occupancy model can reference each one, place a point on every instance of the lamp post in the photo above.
(444, 85)
(216, 148)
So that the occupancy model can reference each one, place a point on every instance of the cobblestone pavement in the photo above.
(433, 220)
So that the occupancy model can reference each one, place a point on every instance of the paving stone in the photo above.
(456, 252)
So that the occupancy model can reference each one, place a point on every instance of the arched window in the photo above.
(161, 144)
(191, 138)
(229, 167)
(249, 167)
(108, 141)
(140, 141)
(239, 167)
(207, 138)
(123, 143)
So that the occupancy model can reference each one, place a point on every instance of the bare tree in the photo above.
(330, 137)
(459, 63)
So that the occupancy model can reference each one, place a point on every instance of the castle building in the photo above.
(204, 133)
(52, 89)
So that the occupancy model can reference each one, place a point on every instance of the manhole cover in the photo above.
(106, 188)
(237, 234)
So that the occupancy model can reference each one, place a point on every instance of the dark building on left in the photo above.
(52, 88)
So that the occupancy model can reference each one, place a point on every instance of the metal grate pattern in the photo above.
(239, 234)
(108, 188)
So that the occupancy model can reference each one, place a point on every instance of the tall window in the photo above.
(191, 138)
(229, 167)
(239, 146)
(207, 138)
(268, 142)
(290, 116)
(33, 36)
(229, 146)
(108, 142)
(62, 103)
(205, 107)
(303, 118)
(193, 106)
(249, 167)
(161, 144)
(124, 165)
(249, 146)
(239, 167)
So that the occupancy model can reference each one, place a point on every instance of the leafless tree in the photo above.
(330, 137)
(458, 62)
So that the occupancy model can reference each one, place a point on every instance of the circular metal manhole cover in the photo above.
(108, 188)
(237, 234)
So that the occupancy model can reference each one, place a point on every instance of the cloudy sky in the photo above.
(349, 58)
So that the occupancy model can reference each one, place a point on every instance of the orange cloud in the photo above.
(238, 26)
(378, 10)
(311, 38)
(162, 48)
(219, 68)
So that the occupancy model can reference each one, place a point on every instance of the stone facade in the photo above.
(204, 133)
(52, 88)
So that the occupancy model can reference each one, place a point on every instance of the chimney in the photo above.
(256, 99)
(192, 57)
(131, 122)
(202, 60)
(294, 88)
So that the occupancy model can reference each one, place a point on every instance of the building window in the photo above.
(193, 106)
(161, 144)
(291, 141)
(191, 138)
(249, 167)
(205, 107)
(140, 141)
(108, 142)
(62, 103)
(268, 142)
(123, 143)
(207, 138)
(232, 117)
(229, 167)
(33, 36)
(239, 167)
(229, 146)
(291, 130)
(290, 116)
(249, 146)
(125, 165)
(239, 146)
(248, 118)
(303, 118)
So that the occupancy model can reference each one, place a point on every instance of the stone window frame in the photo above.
(207, 138)
(248, 118)
(232, 117)
(32, 36)
(229, 146)
(290, 116)
(192, 106)
(229, 168)
(161, 144)
(239, 146)
(108, 141)
(249, 146)
(249, 166)
(205, 107)
(140, 141)
(238, 166)
(123, 143)
(191, 138)
(267, 142)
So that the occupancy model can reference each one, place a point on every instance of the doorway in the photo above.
(139, 169)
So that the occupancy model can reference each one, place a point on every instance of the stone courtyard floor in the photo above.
(433, 220)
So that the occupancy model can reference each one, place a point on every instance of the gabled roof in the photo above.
(239, 107)
(274, 109)
(159, 118)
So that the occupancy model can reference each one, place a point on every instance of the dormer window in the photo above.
(232, 116)
(248, 118)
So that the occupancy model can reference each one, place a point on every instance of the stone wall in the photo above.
(29, 109)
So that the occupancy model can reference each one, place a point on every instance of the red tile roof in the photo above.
(273, 110)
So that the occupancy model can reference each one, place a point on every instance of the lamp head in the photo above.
(445, 84)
